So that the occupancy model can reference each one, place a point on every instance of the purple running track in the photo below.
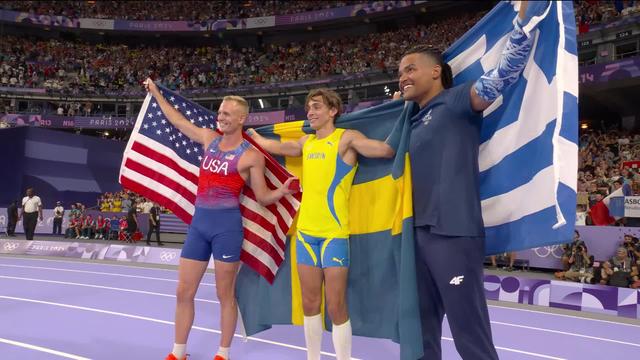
(57, 309)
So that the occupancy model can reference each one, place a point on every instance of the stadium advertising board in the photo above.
(618, 70)
(207, 25)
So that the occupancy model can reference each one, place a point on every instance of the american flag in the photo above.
(163, 165)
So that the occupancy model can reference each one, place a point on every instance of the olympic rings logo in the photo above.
(10, 246)
(167, 256)
(549, 251)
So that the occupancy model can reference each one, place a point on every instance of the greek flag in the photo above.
(529, 153)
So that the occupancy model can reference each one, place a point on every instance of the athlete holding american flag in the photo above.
(228, 162)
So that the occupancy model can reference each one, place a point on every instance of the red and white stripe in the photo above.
(155, 171)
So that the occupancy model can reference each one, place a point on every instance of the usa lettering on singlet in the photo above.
(220, 183)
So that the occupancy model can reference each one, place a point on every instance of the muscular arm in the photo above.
(287, 148)
(368, 147)
(200, 135)
(264, 196)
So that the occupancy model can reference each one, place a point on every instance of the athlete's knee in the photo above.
(311, 303)
(337, 309)
(186, 292)
(225, 294)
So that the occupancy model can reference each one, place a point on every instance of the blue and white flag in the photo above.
(529, 153)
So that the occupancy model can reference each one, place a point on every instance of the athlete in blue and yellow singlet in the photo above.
(329, 162)
(323, 225)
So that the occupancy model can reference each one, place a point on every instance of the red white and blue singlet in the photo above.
(216, 227)
(220, 183)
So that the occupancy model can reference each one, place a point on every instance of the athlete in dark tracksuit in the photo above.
(449, 230)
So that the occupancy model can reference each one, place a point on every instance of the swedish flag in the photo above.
(382, 296)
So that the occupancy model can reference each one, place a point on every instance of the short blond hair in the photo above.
(238, 100)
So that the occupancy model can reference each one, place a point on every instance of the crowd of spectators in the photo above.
(123, 201)
(78, 68)
(81, 68)
(170, 10)
(606, 162)
(586, 12)
(592, 12)
(118, 208)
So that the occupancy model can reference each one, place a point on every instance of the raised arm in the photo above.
(264, 195)
(287, 148)
(368, 147)
(200, 135)
(513, 58)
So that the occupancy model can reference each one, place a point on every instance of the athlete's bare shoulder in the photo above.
(252, 156)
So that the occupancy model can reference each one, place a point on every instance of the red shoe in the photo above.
(220, 357)
(173, 357)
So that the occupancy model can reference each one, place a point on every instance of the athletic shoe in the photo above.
(220, 357)
(173, 357)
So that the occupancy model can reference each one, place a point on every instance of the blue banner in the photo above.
(59, 166)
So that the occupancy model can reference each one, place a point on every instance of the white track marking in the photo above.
(100, 287)
(563, 315)
(97, 273)
(93, 262)
(159, 321)
(42, 349)
(566, 333)
(519, 351)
